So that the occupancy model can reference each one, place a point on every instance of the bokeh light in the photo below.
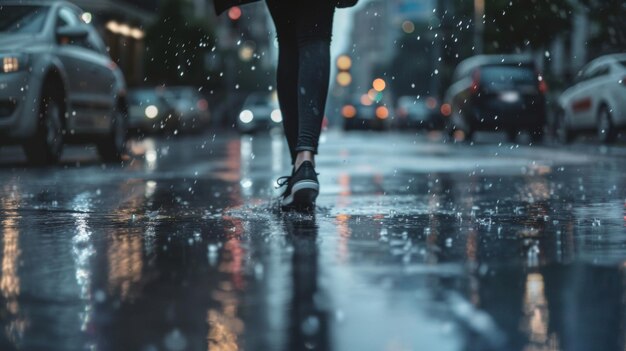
(446, 110)
(344, 79)
(382, 112)
(431, 103)
(379, 84)
(366, 100)
(348, 111)
(234, 13)
(408, 27)
(87, 17)
(344, 62)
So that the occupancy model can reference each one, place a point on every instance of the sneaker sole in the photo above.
(303, 196)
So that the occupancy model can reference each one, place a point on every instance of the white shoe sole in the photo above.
(303, 195)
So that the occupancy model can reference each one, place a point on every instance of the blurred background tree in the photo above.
(514, 26)
(412, 65)
(177, 45)
(608, 31)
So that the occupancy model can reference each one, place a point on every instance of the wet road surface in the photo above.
(415, 245)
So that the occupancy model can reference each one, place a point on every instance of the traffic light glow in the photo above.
(234, 13)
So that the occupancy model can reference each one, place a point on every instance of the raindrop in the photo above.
(100, 296)
(310, 325)
(339, 315)
(258, 271)
(175, 341)
(212, 256)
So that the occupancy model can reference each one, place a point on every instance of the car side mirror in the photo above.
(68, 34)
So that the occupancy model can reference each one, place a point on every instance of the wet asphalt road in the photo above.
(415, 245)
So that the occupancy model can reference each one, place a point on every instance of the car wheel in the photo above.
(112, 147)
(607, 132)
(46, 146)
(563, 133)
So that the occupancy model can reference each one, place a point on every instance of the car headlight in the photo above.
(13, 63)
(246, 116)
(276, 116)
(151, 111)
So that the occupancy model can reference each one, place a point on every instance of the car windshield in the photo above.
(507, 76)
(258, 100)
(181, 93)
(22, 19)
(143, 96)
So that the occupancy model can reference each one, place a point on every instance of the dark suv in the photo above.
(57, 83)
(497, 93)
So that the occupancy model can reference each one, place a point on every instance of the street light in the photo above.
(344, 63)
(479, 25)
(344, 79)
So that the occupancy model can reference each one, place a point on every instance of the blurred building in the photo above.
(248, 30)
(377, 26)
(246, 56)
(372, 44)
(569, 53)
(410, 10)
(122, 24)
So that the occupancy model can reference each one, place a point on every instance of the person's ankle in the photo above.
(304, 156)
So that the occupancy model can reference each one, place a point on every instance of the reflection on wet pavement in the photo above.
(414, 246)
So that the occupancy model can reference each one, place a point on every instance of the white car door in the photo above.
(583, 102)
(86, 70)
(616, 90)
(601, 90)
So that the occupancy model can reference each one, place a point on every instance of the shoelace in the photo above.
(282, 181)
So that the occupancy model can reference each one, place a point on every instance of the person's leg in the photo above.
(287, 70)
(313, 30)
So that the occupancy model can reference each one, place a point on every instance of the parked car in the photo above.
(497, 93)
(149, 111)
(58, 84)
(418, 112)
(596, 101)
(260, 111)
(366, 113)
(191, 106)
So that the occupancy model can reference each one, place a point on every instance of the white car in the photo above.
(596, 102)
(260, 112)
(58, 84)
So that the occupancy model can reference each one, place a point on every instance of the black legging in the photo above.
(304, 29)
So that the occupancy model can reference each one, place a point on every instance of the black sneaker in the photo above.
(282, 181)
(302, 188)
